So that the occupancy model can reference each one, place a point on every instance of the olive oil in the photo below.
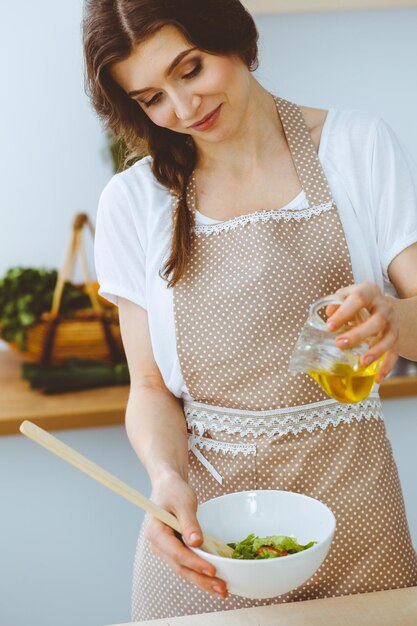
(346, 384)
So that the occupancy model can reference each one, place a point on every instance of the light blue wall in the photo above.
(66, 544)
(53, 156)
(355, 60)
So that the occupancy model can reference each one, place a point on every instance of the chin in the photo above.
(216, 135)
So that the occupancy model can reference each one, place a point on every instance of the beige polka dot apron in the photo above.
(239, 309)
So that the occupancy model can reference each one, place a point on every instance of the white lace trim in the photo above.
(280, 421)
(222, 446)
(262, 216)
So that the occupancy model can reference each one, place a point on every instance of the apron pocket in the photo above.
(220, 467)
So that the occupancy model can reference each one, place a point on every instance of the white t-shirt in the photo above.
(374, 183)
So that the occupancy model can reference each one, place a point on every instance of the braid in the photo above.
(173, 164)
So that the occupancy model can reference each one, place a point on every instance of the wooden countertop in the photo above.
(78, 409)
(95, 407)
(384, 608)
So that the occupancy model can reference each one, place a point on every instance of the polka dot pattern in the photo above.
(310, 172)
(350, 468)
(239, 309)
(245, 296)
(241, 306)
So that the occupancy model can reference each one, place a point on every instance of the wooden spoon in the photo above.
(45, 439)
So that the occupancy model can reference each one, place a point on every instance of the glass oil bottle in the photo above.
(337, 371)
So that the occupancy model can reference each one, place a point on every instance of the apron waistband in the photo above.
(280, 421)
(276, 422)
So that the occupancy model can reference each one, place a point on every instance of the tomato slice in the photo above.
(271, 550)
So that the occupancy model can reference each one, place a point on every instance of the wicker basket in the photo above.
(90, 333)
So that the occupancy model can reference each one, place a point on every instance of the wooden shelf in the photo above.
(398, 387)
(81, 409)
(257, 7)
(95, 407)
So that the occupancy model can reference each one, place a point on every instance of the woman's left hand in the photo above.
(382, 322)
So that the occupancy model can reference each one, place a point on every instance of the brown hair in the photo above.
(111, 30)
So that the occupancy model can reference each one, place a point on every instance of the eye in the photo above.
(152, 101)
(197, 69)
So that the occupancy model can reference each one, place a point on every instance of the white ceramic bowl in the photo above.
(233, 517)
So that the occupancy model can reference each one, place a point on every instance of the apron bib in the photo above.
(239, 309)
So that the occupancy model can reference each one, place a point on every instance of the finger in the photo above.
(347, 311)
(388, 342)
(212, 585)
(190, 527)
(167, 546)
(367, 291)
(374, 325)
(387, 365)
(331, 308)
(183, 505)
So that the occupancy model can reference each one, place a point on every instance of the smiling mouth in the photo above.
(205, 119)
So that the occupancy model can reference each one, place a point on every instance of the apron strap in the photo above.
(193, 439)
(307, 163)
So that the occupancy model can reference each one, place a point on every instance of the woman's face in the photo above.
(184, 89)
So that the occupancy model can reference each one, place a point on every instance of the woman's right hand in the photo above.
(175, 495)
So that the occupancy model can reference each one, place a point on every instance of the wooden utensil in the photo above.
(51, 443)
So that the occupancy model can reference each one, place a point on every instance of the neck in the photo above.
(259, 137)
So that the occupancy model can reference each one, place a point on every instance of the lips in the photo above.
(205, 119)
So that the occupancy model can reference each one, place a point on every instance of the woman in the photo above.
(248, 209)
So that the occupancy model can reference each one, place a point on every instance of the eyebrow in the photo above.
(169, 71)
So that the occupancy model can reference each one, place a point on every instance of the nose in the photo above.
(186, 106)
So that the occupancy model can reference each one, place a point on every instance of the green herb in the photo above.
(120, 153)
(251, 547)
(26, 293)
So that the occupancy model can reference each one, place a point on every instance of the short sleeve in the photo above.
(118, 252)
(393, 195)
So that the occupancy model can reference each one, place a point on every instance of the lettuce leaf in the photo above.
(247, 549)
